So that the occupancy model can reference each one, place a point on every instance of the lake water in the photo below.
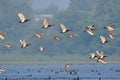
(58, 72)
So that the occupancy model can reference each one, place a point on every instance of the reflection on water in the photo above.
(59, 72)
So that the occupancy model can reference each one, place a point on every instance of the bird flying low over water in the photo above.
(110, 27)
(103, 40)
(24, 43)
(100, 57)
(46, 24)
(38, 35)
(2, 35)
(22, 18)
(63, 28)
(56, 37)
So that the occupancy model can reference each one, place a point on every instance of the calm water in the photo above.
(58, 72)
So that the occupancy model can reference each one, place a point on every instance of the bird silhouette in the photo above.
(24, 43)
(103, 40)
(63, 28)
(22, 18)
(46, 24)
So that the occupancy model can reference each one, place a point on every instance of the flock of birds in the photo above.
(100, 57)
(39, 35)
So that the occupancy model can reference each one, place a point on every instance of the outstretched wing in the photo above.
(63, 27)
(21, 16)
(45, 23)
(102, 39)
(102, 61)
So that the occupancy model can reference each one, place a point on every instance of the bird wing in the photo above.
(57, 38)
(102, 61)
(63, 27)
(102, 54)
(21, 41)
(102, 39)
(21, 16)
(92, 55)
(97, 52)
(111, 36)
(2, 37)
(110, 28)
(90, 32)
(45, 23)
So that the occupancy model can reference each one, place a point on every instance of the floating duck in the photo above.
(24, 43)
(56, 37)
(38, 35)
(46, 24)
(110, 27)
(63, 28)
(103, 40)
(2, 35)
(22, 18)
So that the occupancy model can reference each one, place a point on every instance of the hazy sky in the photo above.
(42, 4)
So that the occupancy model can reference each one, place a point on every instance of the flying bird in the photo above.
(8, 45)
(101, 57)
(38, 35)
(56, 37)
(90, 32)
(1, 70)
(111, 36)
(110, 27)
(2, 35)
(63, 28)
(41, 48)
(22, 18)
(92, 27)
(24, 43)
(103, 40)
(92, 56)
(72, 35)
(46, 24)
